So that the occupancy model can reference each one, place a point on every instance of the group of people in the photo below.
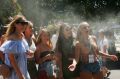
(33, 57)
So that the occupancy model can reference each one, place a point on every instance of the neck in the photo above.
(66, 37)
(27, 37)
(19, 34)
(85, 37)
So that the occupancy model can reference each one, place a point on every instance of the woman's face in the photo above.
(29, 30)
(101, 35)
(20, 27)
(45, 37)
(67, 32)
(84, 30)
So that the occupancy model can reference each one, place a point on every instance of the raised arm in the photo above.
(77, 57)
(112, 57)
(106, 55)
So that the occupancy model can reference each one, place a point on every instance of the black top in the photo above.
(45, 53)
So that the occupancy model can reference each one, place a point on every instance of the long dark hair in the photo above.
(61, 37)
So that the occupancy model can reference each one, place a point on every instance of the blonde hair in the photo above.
(80, 38)
(30, 24)
(39, 38)
(81, 25)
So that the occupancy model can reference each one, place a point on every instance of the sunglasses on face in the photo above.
(22, 23)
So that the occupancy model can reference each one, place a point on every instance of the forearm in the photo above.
(77, 55)
(14, 65)
(76, 60)
(106, 55)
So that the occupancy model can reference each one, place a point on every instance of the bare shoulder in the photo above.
(93, 37)
(77, 44)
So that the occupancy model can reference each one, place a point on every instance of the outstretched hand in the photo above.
(72, 67)
(114, 57)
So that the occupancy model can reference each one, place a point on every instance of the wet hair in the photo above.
(61, 36)
(81, 25)
(80, 37)
(29, 24)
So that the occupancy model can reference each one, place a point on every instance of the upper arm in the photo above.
(94, 38)
(37, 54)
(77, 51)
(2, 56)
(96, 46)
(11, 58)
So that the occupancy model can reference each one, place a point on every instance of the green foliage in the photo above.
(7, 8)
(40, 12)
(52, 29)
(85, 8)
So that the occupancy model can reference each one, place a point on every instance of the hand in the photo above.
(72, 67)
(114, 57)
(30, 55)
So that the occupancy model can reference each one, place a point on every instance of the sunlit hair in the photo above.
(11, 26)
(80, 37)
(81, 25)
(30, 24)
(39, 38)
(61, 36)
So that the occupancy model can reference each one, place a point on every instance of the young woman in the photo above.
(44, 56)
(15, 48)
(103, 46)
(64, 48)
(28, 33)
(86, 51)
